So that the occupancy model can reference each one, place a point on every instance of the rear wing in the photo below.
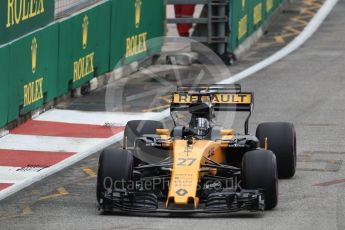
(222, 97)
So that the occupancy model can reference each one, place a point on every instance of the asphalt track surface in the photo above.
(306, 88)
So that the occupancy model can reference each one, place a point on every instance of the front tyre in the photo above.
(115, 165)
(259, 171)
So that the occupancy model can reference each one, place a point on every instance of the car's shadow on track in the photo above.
(237, 215)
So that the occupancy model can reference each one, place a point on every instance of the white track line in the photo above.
(313, 25)
(11, 175)
(47, 143)
(92, 118)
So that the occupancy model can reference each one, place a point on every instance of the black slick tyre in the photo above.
(281, 140)
(259, 171)
(114, 165)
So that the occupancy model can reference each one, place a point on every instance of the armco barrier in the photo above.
(246, 17)
(4, 77)
(145, 19)
(33, 70)
(84, 47)
(19, 17)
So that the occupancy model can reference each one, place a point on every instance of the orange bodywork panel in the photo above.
(186, 173)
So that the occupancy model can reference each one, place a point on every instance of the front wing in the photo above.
(218, 202)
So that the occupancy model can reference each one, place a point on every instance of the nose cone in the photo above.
(186, 171)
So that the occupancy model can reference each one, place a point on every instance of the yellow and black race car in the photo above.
(198, 167)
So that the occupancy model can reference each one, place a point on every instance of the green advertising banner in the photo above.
(134, 23)
(84, 47)
(246, 16)
(270, 5)
(258, 14)
(48, 62)
(19, 17)
(33, 71)
(239, 23)
(4, 77)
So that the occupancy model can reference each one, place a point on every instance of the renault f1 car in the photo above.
(199, 167)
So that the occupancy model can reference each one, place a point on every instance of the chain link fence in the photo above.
(64, 8)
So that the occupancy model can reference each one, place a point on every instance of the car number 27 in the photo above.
(186, 161)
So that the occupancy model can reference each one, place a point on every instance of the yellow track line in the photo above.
(279, 39)
(89, 172)
(61, 192)
(26, 211)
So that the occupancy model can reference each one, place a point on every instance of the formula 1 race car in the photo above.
(199, 167)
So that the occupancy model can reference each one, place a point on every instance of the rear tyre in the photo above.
(259, 171)
(114, 165)
(281, 139)
(137, 128)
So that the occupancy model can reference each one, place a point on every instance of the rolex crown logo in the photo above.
(85, 27)
(138, 4)
(34, 54)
